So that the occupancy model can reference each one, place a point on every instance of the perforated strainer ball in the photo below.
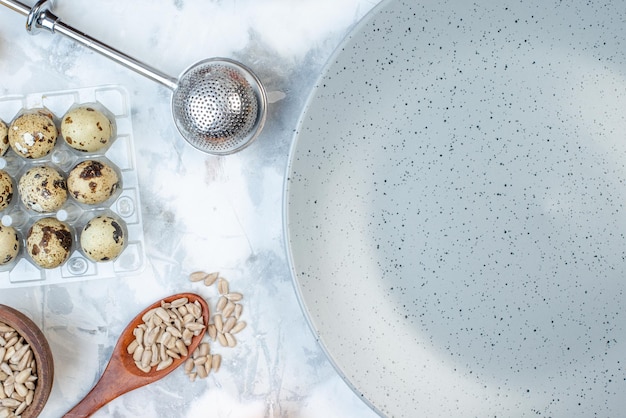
(219, 106)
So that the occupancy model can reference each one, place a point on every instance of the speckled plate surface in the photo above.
(454, 208)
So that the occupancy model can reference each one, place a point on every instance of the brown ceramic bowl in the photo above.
(43, 356)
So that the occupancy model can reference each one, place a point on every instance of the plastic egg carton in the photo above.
(124, 204)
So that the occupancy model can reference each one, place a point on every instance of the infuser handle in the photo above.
(40, 17)
(16, 6)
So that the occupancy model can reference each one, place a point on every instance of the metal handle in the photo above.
(40, 17)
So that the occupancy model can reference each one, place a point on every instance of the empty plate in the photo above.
(455, 208)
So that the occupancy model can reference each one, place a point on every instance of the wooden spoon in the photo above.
(122, 375)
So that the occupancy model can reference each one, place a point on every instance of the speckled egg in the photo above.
(103, 238)
(33, 134)
(6, 189)
(9, 244)
(86, 128)
(42, 189)
(4, 138)
(92, 182)
(49, 242)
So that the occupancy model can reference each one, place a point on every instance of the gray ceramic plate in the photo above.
(455, 208)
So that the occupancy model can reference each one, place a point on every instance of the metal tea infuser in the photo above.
(218, 104)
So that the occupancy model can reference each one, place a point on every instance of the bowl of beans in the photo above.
(26, 365)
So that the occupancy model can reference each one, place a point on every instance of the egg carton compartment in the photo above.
(124, 203)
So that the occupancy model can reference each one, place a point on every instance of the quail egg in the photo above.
(92, 182)
(6, 189)
(42, 189)
(86, 128)
(103, 238)
(4, 138)
(9, 244)
(49, 242)
(33, 134)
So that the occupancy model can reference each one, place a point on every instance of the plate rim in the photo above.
(293, 148)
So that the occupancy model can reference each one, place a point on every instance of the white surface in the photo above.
(456, 209)
(199, 212)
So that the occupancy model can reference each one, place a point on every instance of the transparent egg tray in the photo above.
(124, 204)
